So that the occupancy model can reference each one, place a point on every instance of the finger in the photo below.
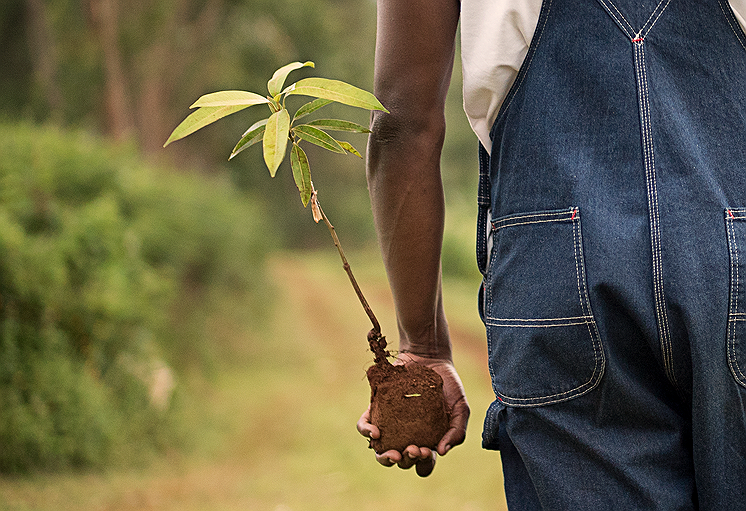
(389, 458)
(417, 453)
(410, 457)
(425, 467)
(452, 438)
(414, 456)
(456, 434)
(365, 428)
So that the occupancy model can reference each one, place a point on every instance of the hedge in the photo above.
(97, 252)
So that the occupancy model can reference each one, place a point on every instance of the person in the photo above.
(611, 237)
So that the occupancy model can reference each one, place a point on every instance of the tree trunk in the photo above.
(44, 55)
(119, 121)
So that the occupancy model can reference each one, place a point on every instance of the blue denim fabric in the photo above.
(614, 292)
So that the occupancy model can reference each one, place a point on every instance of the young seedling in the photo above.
(280, 129)
(390, 385)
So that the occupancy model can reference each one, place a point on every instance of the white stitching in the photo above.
(654, 211)
(585, 301)
(510, 222)
(507, 324)
(538, 322)
(733, 293)
(560, 396)
(535, 215)
(583, 319)
(656, 18)
(627, 27)
(735, 281)
(615, 18)
(735, 30)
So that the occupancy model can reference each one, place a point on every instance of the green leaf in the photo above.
(349, 148)
(335, 90)
(318, 137)
(252, 136)
(339, 125)
(301, 173)
(200, 119)
(275, 140)
(255, 126)
(230, 98)
(277, 81)
(310, 107)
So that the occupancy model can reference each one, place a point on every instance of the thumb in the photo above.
(456, 434)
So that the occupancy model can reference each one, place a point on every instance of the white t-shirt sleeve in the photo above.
(739, 9)
(495, 36)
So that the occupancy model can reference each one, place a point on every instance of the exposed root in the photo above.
(377, 344)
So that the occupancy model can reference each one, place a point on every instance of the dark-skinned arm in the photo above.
(415, 47)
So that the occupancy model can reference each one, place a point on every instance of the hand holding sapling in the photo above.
(414, 412)
(405, 454)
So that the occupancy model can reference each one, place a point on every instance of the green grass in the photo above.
(274, 429)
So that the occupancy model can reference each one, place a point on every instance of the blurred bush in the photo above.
(108, 272)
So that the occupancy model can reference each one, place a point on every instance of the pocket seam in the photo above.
(573, 215)
(734, 316)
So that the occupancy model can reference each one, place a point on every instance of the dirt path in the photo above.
(277, 431)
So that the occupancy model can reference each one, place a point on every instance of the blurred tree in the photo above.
(111, 271)
(105, 20)
(44, 54)
(15, 60)
(126, 68)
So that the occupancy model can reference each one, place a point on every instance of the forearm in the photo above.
(414, 58)
(408, 208)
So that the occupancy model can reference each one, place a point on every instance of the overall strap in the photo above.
(627, 26)
(483, 202)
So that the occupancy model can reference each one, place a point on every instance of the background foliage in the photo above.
(102, 260)
(119, 258)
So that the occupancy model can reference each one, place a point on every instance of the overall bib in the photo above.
(614, 295)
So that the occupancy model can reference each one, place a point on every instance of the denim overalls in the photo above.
(614, 289)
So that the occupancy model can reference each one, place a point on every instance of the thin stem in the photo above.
(345, 264)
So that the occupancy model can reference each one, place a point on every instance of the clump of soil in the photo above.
(407, 402)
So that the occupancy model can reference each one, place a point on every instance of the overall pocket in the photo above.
(735, 222)
(544, 346)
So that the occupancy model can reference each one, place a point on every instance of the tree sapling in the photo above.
(407, 402)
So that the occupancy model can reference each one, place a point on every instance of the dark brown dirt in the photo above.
(407, 404)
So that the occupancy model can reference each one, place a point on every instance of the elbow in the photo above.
(406, 128)
(386, 127)
(407, 141)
